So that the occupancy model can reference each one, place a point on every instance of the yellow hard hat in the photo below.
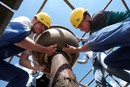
(76, 16)
(44, 18)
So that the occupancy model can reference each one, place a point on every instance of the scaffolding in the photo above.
(11, 10)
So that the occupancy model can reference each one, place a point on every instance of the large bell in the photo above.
(55, 35)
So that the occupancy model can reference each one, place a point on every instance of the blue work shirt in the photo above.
(111, 36)
(14, 33)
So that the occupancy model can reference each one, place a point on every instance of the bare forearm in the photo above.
(29, 44)
(84, 48)
(29, 64)
(24, 61)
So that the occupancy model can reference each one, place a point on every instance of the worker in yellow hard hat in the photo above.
(42, 18)
(77, 17)
(107, 29)
(18, 38)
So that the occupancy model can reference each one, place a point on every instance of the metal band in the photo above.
(7, 7)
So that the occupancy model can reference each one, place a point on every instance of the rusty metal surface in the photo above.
(55, 35)
(61, 74)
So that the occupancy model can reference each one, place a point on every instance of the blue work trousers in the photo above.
(12, 74)
(99, 72)
(120, 58)
(120, 73)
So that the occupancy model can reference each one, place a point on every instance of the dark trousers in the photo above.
(43, 81)
(119, 59)
(12, 74)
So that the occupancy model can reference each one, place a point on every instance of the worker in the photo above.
(108, 29)
(15, 39)
(98, 69)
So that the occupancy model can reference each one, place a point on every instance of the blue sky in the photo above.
(60, 12)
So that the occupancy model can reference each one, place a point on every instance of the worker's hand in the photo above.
(51, 49)
(69, 49)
